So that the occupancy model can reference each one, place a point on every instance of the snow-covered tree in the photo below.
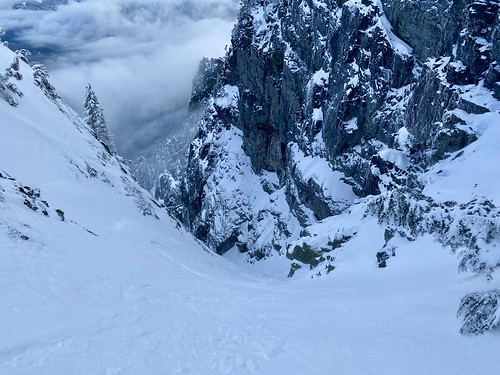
(481, 312)
(13, 70)
(8, 89)
(94, 117)
(2, 32)
(23, 54)
(41, 78)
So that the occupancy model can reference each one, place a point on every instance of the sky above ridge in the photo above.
(139, 56)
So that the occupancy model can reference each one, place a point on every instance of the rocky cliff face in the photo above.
(40, 4)
(320, 103)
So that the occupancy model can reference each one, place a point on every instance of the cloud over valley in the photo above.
(139, 56)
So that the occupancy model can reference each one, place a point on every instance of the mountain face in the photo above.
(90, 262)
(28, 103)
(39, 4)
(322, 111)
(96, 277)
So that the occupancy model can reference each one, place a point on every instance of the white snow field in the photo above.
(119, 288)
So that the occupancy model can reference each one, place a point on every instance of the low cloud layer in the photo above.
(139, 56)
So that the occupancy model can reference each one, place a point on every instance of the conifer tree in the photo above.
(41, 77)
(2, 32)
(24, 55)
(94, 117)
(8, 89)
(481, 311)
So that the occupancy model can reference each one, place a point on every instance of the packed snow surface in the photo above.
(117, 287)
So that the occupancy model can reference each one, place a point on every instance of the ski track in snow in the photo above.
(154, 317)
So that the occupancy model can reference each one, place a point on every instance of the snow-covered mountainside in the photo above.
(96, 277)
(327, 115)
(323, 104)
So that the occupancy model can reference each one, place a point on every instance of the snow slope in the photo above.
(118, 288)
